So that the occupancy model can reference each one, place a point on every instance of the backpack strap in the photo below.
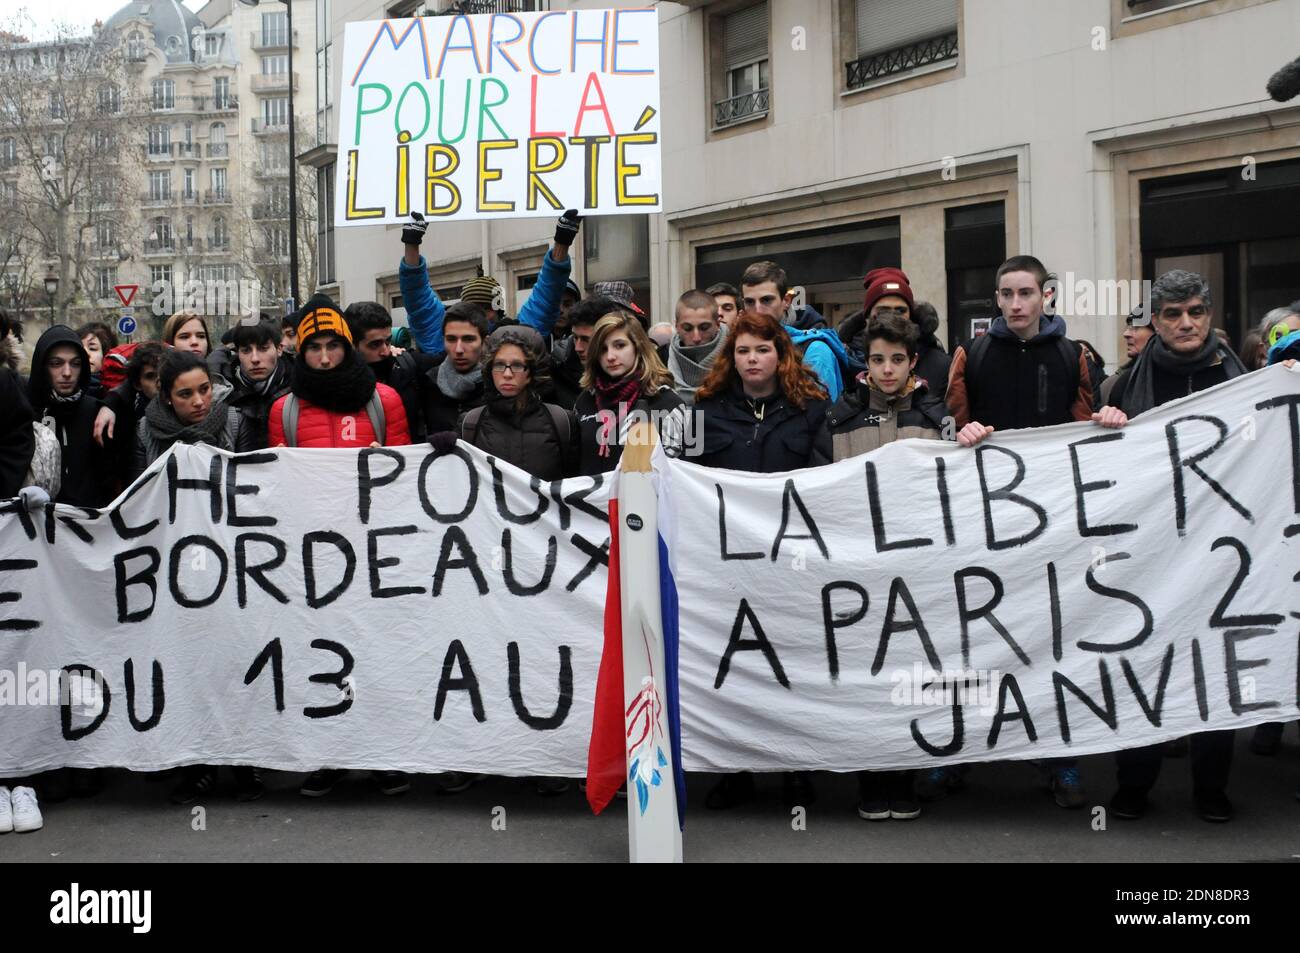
(289, 419)
(1070, 351)
(561, 421)
(378, 419)
(234, 426)
(469, 424)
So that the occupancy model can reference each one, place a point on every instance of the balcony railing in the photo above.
(157, 199)
(470, 7)
(270, 211)
(216, 197)
(158, 151)
(218, 104)
(277, 40)
(274, 82)
(190, 198)
(218, 150)
(903, 59)
(737, 109)
(276, 127)
(263, 171)
(186, 150)
(159, 247)
(218, 248)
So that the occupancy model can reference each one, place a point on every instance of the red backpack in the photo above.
(113, 371)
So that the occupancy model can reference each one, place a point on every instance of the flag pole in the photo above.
(654, 835)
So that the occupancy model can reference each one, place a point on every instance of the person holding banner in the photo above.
(888, 402)
(624, 383)
(334, 399)
(514, 424)
(1184, 357)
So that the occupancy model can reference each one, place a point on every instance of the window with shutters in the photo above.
(1131, 17)
(899, 39)
(742, 45)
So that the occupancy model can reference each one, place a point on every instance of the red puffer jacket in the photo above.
(318, 427)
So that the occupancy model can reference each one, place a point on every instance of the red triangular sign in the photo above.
(126, 293)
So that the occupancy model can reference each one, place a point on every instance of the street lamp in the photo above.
(293, 166)
(51, 289)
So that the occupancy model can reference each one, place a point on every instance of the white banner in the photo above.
(500, 116)
(1055, 592)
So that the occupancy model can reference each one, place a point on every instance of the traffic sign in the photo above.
(126, 323)
(126, 293)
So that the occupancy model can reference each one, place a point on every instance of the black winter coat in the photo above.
(735, 438)
(17, 440)
(865, 419)
(408, 375)
(566, 374)
(527, 438)
(441, 412)
(255, 407)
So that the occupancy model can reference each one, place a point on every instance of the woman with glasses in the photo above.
(515, 424)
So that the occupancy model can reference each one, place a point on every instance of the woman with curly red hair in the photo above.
(761, 406)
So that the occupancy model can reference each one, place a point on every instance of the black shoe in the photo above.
(1266, 740)
(732, 791)
(1129, 803)
(1174, 749)
(55, 786)
(1067, 787)
(453, 782)
(248, 783)
(321, 782)
(873, 796)
(797, 789)
(1213, 806)
(903, 802)
(392, 783)
(937, 783)
(196, 783)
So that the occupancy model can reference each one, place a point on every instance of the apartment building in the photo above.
(1114, 139)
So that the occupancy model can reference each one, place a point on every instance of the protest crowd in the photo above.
(767, 386)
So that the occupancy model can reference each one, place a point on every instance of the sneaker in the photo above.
(1213, 806)
(1067, 788)
(873, 799)
(731, 791)
(453, 782)
(6, 812)
(1129, 803)
(903, 803)
(248, 783)
(26, 813)
(321, 783)
(196, 783)
(797, 789)
(936, 784)
(550, 787)
(392, 783)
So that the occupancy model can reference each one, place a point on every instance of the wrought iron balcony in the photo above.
(738, 109)
(868, 69)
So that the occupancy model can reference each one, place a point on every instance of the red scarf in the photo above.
(611, 397)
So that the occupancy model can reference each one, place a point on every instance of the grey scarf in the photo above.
(1139, 391)
(690, 365)
(455, 384)
(166, 428)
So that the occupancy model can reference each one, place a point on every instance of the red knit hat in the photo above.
(886, 281)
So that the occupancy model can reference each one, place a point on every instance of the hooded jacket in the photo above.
(932, 361)
(865, 419)
(825, 355)
(87, 467)
(1034, 383)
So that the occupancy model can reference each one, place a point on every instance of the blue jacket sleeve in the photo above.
(542, 308)
(424, 309)
(821, 360)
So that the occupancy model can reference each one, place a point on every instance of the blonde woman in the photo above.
(624, 382)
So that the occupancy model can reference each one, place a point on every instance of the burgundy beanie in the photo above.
(886, 281)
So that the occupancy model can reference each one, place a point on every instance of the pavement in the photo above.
(1004, 814)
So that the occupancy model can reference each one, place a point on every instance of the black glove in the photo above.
(443, 441)
(413, 233)
(566, 229)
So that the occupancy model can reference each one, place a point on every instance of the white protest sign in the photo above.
(500, 116)
(1055, 592)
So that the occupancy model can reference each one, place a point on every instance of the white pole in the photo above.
(653, 832)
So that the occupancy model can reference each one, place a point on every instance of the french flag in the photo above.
(628, 735)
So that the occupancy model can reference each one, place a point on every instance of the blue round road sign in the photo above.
(126, 325)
